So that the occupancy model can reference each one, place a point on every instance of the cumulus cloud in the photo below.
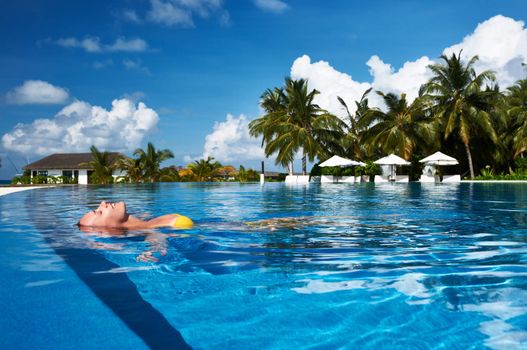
(137, 65)
(276, 6)
(130, 15)
(500, 42)
(182, 12)
(37, 92)
(89, 44)
(79, 125)
(408, 79)
(330, 82)
(102, 64)
(94, 45)
(230, 141)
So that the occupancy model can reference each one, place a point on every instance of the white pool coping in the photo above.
(8, 190)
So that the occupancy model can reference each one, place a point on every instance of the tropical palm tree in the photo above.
(460, 104)
(151, 160)
(351, 142)
(169, 174)
(274, 103)
(245, 175)
(293, 123)
(400, 129)
(205, 169)
(101, 165)
(516, 98)
(132, 167)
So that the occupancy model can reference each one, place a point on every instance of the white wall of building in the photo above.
(83, 177)
(83, 174)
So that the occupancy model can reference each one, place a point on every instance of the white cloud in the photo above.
(128, 45)
(102, 64)
(230, 141)
(79, 125)
(37, 92)
(276, 6)
(89, 44)
(500, 42)
(135, 65)
(182, 12)
(408, 79)
(130, 15)
(330, 82)
(94, 45)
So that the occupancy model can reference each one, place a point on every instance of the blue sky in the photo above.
(194, 62)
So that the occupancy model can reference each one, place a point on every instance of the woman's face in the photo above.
(106, 215)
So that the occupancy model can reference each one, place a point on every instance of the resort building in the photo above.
(70, 165)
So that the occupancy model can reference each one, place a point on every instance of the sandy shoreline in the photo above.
(8, 190)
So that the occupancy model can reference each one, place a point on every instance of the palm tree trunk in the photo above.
(290, 168)
(304, 164)
(469, 156)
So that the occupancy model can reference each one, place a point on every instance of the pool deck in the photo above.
(13, 189)
(5, 190)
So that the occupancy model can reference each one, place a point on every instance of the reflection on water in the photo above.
(338, 265)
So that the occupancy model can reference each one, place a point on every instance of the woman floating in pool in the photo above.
(112, 219)
(114, 215)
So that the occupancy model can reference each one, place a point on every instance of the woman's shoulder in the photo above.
(163, 221)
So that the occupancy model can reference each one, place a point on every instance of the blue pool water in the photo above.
(358, 266)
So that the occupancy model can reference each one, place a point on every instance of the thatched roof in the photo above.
(68, 161)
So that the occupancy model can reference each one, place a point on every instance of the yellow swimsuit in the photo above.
(182, 222)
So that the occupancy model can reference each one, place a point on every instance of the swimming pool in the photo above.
(369, 266)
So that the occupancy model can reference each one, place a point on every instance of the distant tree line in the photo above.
(145, 167)
(458, 111)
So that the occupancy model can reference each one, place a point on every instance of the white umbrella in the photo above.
(392, 159)
(439, 158)
(339, 161)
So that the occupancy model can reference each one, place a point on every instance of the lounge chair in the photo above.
(452, 178)
(402, 178)
(379, 178)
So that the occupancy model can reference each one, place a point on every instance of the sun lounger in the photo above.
(402, 178)
(427, 178)
(297, 179)
(327, 179)
(379, 178)
(347, 179)
(452, 178)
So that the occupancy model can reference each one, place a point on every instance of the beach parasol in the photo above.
(439, 158)
(339, 161)
(392, 160)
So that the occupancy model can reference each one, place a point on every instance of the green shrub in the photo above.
(348, 172)
(416, 168)
(332, 170)
(39, 179)
(520, 165)
(371, 169)
(315, 170)
(68, 180)
(54, 179)
(25, 180)
(488, 174)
